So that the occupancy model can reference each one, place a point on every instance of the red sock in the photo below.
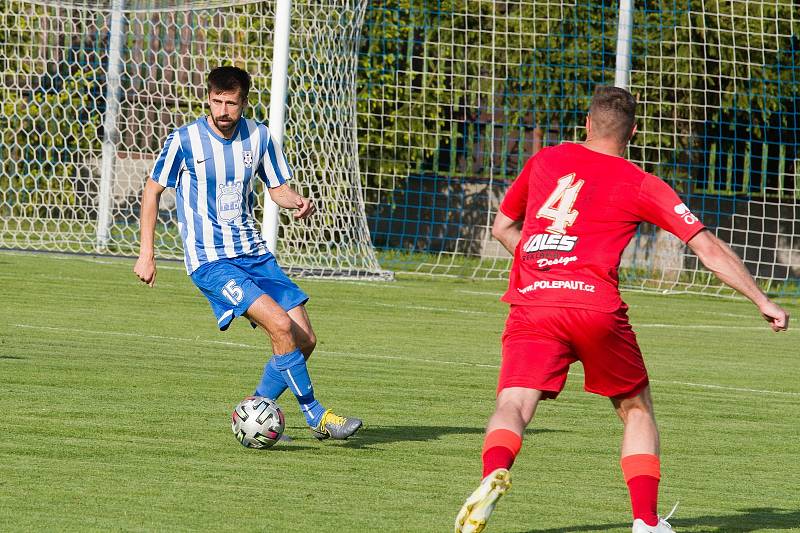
(642, 473)
(500, 448)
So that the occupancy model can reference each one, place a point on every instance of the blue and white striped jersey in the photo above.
(213, 178)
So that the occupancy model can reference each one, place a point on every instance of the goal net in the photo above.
(408, 121)
(91, 90)
(478, 87)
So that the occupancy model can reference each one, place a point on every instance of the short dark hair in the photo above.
(229, 78)
(613, 112)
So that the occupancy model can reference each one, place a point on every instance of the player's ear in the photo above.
(633, 131)
(588, 123)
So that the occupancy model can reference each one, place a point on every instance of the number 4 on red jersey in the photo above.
(558, 206)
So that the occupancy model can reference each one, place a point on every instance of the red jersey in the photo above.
(580, 208)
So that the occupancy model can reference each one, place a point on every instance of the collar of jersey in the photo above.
(204, 122)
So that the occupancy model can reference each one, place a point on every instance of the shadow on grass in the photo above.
(372, 435)
(12, 357)
(751, 519)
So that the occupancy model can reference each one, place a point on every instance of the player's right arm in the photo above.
(165, 174)
(726, 265)
(145, 268)
(507, 226)
(507, 230)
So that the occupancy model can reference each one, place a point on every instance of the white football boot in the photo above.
(662, 527)
(479, 506)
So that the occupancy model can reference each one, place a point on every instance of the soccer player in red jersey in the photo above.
(567, 218)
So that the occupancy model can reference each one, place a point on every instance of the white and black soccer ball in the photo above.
(257, 422)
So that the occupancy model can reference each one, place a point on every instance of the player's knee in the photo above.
(521, 405)
(635, 411)
(280, 327)
(308, 344)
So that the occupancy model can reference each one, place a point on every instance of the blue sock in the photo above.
(272, 384)
(295, 374)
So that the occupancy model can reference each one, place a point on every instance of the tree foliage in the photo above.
(427, 70)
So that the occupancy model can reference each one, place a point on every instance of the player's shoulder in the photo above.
(541, 156)
(255, 130)
(255, 125)
(633, 171)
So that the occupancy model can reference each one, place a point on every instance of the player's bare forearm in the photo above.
(507, 230)
(726, 265)
(288, 198)
(729, 268)
(145, 268)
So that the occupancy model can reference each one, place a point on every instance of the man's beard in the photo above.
(224, 127)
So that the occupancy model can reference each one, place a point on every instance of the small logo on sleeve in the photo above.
(683, 211)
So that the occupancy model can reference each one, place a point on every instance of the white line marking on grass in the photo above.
(382, 357)
(717, 313)
(119, 261)
(371, 284)
(634, 323)
(137, 335)
(713, 313)
(440, 309)
(725, 387)
(481, 293)
(699, 326)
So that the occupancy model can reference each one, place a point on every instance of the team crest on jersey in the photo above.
(229, 202)
(247, 157)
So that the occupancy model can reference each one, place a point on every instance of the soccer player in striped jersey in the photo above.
(211, 163)
(566, 219)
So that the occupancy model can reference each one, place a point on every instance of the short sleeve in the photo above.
(516, 199)
(659, 204)
(169, 163)
(272, 168)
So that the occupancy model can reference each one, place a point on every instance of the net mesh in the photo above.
(479, 87)
(56, 68)
(408, 121)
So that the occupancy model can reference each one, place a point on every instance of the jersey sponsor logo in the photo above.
(247, 157)
(201, 161)
(546, 263)
(683, 211)
(557, 284)
(547, 241)
(547, 259)
(229, 202)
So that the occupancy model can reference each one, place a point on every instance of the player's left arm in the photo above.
(288, 198)
(729, 268)
(658, 203)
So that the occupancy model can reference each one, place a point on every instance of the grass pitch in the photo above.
(115, 402)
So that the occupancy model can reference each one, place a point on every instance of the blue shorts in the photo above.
(232, 285)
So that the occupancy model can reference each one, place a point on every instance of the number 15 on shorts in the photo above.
(233, 292)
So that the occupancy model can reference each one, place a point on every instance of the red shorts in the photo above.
(540, 343)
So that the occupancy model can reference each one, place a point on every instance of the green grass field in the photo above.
(115, 403)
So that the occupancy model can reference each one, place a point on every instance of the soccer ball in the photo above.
(257, 422)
